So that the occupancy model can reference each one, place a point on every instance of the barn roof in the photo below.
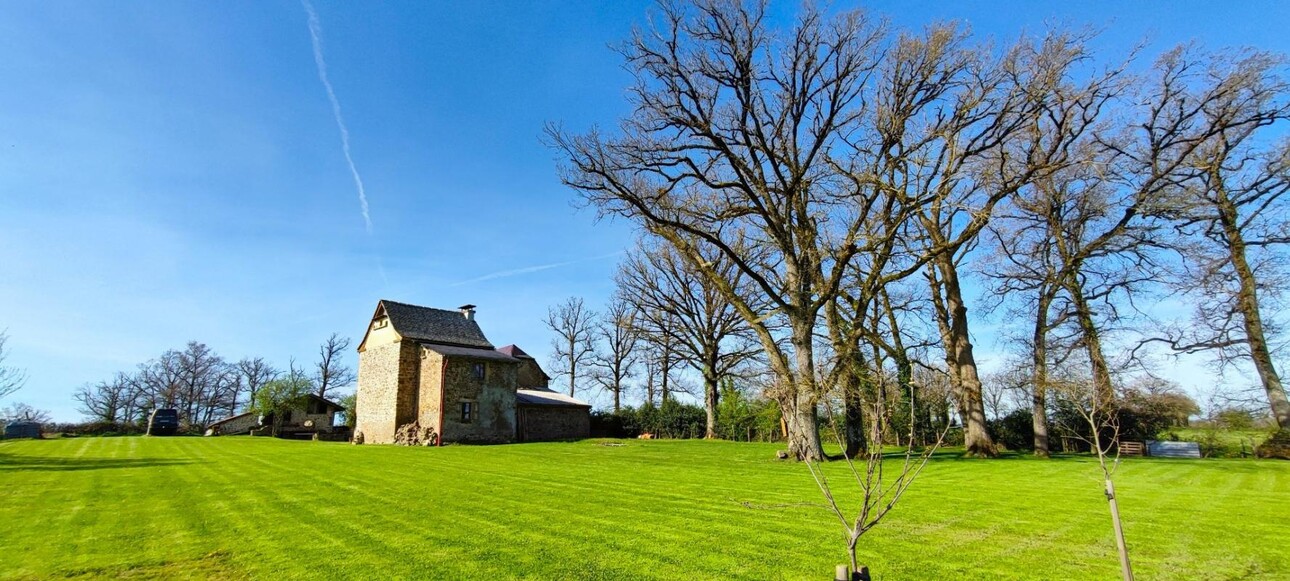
(515, 351)
(474, 353)
(434, 325)
(229, 419)
(326, 401)
(546, 397)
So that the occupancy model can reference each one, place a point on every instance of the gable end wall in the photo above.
(387, 382)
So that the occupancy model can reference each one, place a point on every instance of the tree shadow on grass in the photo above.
(16, 463)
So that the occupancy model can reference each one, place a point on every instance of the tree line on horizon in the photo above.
(204, 387)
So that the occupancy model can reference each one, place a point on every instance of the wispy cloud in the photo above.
(531, 269)
(315, 33)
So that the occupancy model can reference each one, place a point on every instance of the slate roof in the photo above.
(434, 325)
(474, 353)
(325, 401)
(546, 397)
(515, 351)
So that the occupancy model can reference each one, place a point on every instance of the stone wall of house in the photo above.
(554, 423)
(431, 380)
(530, 374)
(321, 421)
(239, 424)
(492, 399)
(387, 382)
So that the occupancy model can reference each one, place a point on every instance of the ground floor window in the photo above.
(467, 412)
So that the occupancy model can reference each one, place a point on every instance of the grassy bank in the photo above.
(240, 507)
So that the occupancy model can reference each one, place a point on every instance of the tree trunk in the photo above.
(853, 408)
(1039, 393)
(961, 362)
(711, 398)
(799, 405)
(667, 370)
(573, 366)
(1248, 303)
(711, 392)
(1103, 389)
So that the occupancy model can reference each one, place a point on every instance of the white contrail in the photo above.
(315, 32)
(529, 269)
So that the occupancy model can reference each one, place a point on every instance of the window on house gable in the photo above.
(467, 412)
(478, 371)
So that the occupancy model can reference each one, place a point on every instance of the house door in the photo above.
(520, 415)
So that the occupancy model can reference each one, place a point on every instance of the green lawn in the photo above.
(238, 507)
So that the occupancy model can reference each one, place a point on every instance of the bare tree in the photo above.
(196, 381)
(681, 311)
(330, 371)
(111, 401)
(878, 489)
(659, 354)
(1230, 207)
(255, 373)
(21, 412)
(612, 364)
(1101, 431)
(11, 378)
(574, 345)
(727, 153)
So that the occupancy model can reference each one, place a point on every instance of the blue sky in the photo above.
(173, 171)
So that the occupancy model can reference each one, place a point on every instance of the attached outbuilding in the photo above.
(542, 414)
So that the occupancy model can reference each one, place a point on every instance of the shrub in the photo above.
(673, 419)
(97, 428)
(605, 424)
(1276, 446)
(1015, 431)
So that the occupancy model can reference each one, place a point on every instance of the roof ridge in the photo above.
(454, 311)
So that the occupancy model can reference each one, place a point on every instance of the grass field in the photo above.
(237, 507)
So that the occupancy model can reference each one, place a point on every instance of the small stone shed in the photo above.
(434, 369)
(314, 415)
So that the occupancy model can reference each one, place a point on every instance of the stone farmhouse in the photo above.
(434, 368)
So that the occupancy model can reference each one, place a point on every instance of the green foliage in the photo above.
(243, 508)
(1234, 419)
(1140, 416)
(673, 419)
(741, 418)
(1015, 431)
(279, 396)
(350, 403)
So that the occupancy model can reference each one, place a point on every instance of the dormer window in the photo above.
(478, 371)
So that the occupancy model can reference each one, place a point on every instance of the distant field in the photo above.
(235, 507)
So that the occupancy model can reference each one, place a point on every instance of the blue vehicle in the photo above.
(163, 422)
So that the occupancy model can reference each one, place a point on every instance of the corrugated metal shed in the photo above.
(1164, 449)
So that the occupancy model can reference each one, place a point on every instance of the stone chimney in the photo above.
(468, 311)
